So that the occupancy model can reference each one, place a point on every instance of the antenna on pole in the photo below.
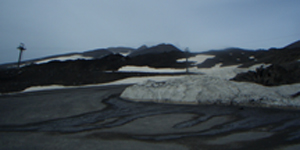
(21, 48)
(186, 60)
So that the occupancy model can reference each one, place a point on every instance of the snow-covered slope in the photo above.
(198, 59)
(64, 58)
(203, 89)
(131, 80)
(130, 68)
(226, 72)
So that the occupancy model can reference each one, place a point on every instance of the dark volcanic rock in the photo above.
(231, 56)
(273, 75)
(64, 73)
(247, 58)
(9, 74)
(97, 54)
(284, 69)
(80, 72)
(73, 72)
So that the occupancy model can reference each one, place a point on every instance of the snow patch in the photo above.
(124, 53)
(64, 58)
(251, 57)
(226, 72)
(203, 89)
(130, 68)
(132, 80)
(198, 59)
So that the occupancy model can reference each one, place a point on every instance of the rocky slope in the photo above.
(247, 58)
(284, 64)
(284, 68)
(81, 71)
(276, 74)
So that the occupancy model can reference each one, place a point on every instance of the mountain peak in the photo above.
(142, 47)
(161, 48)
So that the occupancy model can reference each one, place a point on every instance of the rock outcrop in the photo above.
(273, 75)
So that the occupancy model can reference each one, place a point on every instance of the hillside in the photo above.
(273, 82)
(279, 66)
(283, 65)
(90, 71)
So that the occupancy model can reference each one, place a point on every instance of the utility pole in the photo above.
(187, 60)
(21, 48)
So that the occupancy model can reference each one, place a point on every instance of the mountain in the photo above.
(160, 56)
(97, 66)
(293, 45)
(102, 65)
(142, 47)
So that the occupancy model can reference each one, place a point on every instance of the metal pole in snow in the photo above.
(186, 60)
(20, 56)
(21, 48)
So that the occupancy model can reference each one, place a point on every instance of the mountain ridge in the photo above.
(284, 64)
(293, 45)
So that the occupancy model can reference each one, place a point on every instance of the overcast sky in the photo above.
(50, 27)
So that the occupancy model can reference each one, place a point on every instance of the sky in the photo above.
(49, 27)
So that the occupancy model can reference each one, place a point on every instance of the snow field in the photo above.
(130, 68)
(198, 59)
(124, 53)
(227, 72)
(72, 57)
(203, 89)
(131, 80)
